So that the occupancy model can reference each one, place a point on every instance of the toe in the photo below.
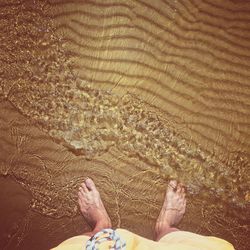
(183, 192)
(90, 184)
(172, 185)
(80, 198)
(179, 188)
(80, 193)
(84, 188)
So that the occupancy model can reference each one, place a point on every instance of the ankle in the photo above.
(102, 225)
(160, 232)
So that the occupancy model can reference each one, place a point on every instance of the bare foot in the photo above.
(172, 210)
(92, 207)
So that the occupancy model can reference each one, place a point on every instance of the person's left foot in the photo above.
(92, 207)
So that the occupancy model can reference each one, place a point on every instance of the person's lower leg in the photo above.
(99, 226)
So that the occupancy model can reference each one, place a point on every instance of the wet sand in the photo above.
(60, 123)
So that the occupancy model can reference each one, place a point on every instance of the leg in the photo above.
(92, 207)
(172, 210)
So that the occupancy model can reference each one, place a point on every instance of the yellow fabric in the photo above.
(179, 240)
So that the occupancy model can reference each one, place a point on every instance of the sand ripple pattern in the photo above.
(67, 66)
(41, 83)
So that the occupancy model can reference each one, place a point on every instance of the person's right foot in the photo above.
(172, 210)
(92, 207)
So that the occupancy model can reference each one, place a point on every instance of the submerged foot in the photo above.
(92, 207)
(172, 210)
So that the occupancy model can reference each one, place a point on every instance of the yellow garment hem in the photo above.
(178, 240)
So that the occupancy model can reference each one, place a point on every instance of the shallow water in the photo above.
(60, 128)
